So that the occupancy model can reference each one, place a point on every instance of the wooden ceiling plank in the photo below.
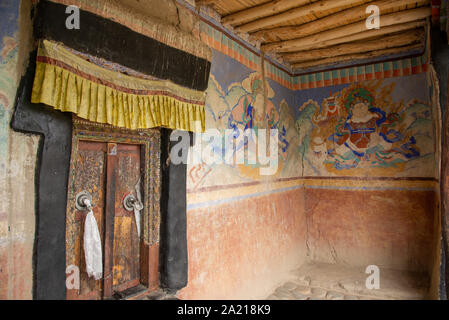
(227, 7)
(396, 40)
(204, 2)
(370, 34)
(317, 15)
(263, 10)
(350, 15)
(357, 57)
(309, 41)
(296, 13)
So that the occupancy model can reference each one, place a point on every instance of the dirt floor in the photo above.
(318, 281)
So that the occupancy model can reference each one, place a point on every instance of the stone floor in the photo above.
(315, 281)
(142, 293)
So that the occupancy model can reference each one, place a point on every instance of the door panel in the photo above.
(126, 247)
(90, 171)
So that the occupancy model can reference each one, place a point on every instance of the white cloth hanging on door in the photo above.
(138, 206)
(137, 217)
(92, 246)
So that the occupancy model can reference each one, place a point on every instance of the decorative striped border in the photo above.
(349, 180)
(234, 193)
(220, 39)
(382, 70)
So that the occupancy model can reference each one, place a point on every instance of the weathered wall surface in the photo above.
(388, 228)
(167, 11)
(358, 146)
(17, 158)
(377, 200)
(353, 186)
(240, 249)
(242, 225)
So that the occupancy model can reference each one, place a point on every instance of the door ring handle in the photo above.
(80, 199)
(130, 203)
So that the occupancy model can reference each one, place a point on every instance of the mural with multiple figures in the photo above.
(232, 108)
(375, 128)
(361, 131)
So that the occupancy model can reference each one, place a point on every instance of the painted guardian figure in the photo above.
(357, 129)
(368, 134)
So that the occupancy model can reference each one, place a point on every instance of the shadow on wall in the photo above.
(440, 57)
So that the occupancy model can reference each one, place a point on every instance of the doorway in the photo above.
(114, 172)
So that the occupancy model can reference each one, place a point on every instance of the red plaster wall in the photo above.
(393, 229)
(15, 266)
(242, 249)
(3, 273)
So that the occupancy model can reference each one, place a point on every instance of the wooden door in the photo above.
(108, 172)
(126, 244)
(89, 175)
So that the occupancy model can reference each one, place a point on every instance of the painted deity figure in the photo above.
(367, 134)
(358, 129)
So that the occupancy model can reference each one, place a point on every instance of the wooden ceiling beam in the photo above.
(370, 34)
(393, 41)
(319, 6)
(357, 57)
(263, 10)
(352, 15)
(199, 3)
(344, 31)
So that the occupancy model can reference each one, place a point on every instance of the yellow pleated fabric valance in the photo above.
(69, 83)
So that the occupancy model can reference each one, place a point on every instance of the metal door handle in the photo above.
(130, 203)
(83, 201)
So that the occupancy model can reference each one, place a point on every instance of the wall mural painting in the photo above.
(8, 55)
(378, 128)
(237, 108)
(361, 131)
(8, 79)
